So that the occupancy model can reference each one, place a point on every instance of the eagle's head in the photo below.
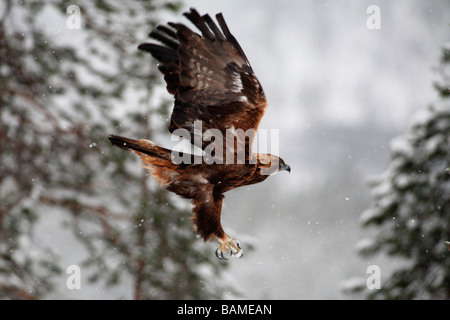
(269, 164)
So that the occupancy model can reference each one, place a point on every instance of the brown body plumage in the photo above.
(214, 86)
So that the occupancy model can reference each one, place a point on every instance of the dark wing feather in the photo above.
(210, 77)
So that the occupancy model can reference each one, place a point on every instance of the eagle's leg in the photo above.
(230, 245)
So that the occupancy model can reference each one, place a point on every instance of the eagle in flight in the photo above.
(217, 95)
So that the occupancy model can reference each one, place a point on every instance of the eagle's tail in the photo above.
(140, 146)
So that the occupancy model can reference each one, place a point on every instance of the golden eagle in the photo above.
(215, 88)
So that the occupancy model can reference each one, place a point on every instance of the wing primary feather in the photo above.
(167, 31)
(182, 31)
(162, 38)
(197, 20)
(213, 27)
(229, 36)
(159, 52)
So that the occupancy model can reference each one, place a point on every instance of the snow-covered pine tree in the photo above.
(66, 82)
(412, 205)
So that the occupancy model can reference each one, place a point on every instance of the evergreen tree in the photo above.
(412, 205)
(69, 76)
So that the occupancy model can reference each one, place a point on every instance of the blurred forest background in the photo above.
(364, 121)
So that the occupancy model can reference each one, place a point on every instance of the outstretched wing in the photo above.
(210, 77)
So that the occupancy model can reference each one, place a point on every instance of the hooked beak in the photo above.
(287, 168)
